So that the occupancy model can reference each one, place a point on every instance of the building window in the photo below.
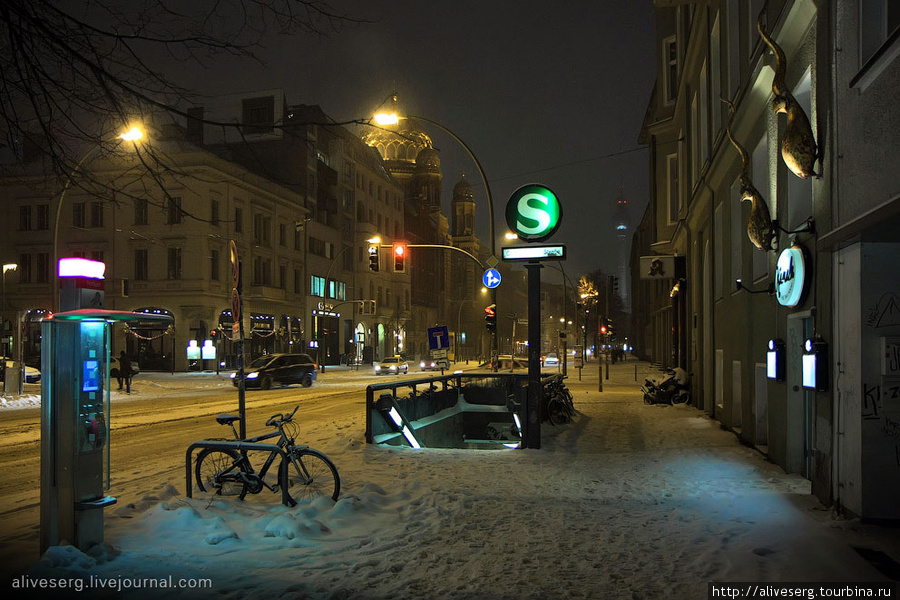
(174, 263)
(43, 268)
(670, 68)
(238, 220)
(282, 277)
(258, 115)
(25, 218)
(175, 214)
(97, 255)
(297, 282)
(261, 230)
(317, 286)
(214, 212)
(879, 20)
(141, 211)
(214, 265)
(141, 264)
(96, 214)
(262, 271)
(282, 234)
(43, 216)
(78, 214)
(24, 268)
(672, 183)
(715, 71)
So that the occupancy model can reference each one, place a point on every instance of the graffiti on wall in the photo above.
(885, 313)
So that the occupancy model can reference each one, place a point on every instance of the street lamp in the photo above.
(462, 303)
(132, 135)
(393, 118)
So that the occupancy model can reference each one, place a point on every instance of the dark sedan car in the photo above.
(280, 369)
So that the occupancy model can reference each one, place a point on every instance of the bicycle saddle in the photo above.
(227, 419)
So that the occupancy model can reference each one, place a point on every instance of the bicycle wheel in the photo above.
(310, 474)
(219, 472)
(556, 412)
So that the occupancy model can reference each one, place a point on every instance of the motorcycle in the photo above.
(672, 388)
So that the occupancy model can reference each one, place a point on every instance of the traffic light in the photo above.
(490, 317)
(213, 333)
(603, 329)
(399, 251)
(373, 258)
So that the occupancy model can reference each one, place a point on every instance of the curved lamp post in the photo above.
(392, 118)
(132, 135)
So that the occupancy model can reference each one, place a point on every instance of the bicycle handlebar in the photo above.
(279, 418)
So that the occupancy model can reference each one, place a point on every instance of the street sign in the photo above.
(492, 261)
(535, 253)
(491, 278)
(438, 337)
(533, 212)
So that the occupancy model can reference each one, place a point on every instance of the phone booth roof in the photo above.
(110, 316)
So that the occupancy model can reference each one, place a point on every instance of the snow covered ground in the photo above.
(629, 501)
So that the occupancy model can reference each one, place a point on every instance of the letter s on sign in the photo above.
(534, 213)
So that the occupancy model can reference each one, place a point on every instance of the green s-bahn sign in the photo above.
(533, 212)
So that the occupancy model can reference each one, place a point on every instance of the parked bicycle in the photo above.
(559, 406)
(305, 474)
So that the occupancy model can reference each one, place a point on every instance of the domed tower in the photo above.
(400, 145)
(463, 208)
(622, 223)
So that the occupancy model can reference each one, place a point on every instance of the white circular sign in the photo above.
(790, 276)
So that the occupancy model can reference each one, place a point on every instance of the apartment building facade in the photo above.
(718, 287)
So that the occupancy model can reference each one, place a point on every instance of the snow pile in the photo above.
(629, 501)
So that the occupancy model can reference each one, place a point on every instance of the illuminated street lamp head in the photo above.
(374, 240)
(386, 119)
(10, 267)
(132, 135)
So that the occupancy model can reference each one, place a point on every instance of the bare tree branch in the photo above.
(75, 71)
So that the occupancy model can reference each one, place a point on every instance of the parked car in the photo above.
(32, 375)
(281, 369)
(551, 359)
(433, 364)
(392, 365)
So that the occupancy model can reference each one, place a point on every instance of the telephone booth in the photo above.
(75, 413)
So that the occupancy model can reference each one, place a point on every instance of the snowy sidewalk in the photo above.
(629, 501)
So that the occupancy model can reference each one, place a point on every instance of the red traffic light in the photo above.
(399, 251)
(490, 309)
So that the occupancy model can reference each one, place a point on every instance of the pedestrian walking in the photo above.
(125, 372)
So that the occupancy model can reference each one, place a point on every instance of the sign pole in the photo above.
(533, 413)
(237, 329)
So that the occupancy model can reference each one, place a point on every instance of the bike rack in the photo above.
(240, 447)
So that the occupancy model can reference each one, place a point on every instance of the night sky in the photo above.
(553, 93)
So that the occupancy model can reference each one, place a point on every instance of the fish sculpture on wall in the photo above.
(759, 226)
(798, 145)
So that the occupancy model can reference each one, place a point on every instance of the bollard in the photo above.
(600, 374)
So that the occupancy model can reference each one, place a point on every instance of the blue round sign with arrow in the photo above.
(491, 278)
